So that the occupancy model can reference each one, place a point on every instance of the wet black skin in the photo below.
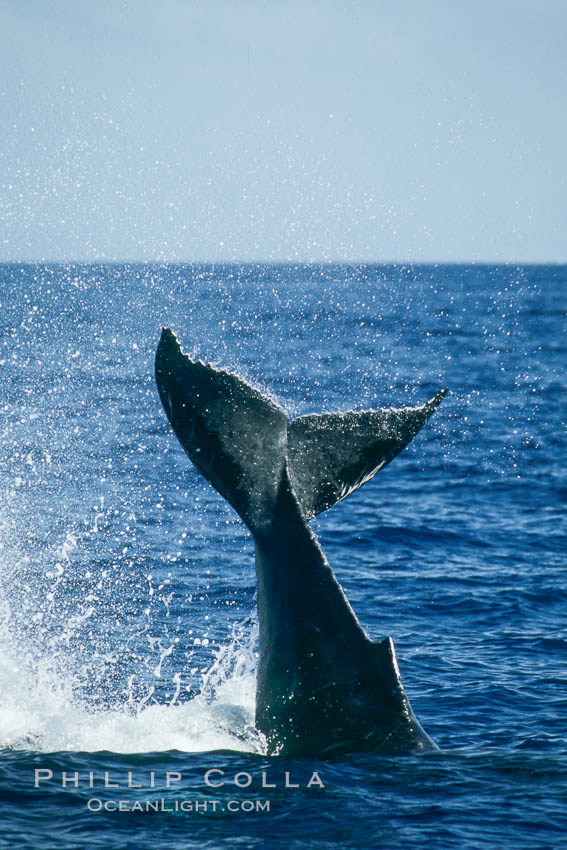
(323, 686)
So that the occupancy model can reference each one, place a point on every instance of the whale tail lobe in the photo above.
(240, 440)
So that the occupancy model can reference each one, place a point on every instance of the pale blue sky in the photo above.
(298, 130)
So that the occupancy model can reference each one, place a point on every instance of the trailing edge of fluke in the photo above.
(323, 686)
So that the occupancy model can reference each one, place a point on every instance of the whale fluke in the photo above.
(332, 455)
(239, 439)
(323, 686)
(234, 435)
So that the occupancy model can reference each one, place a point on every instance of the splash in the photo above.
(39, 709)
(55, 675)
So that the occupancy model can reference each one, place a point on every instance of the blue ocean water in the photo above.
(127, 623)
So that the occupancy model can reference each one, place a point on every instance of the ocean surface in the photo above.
(127, 613)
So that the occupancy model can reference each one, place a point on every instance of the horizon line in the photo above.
(335, 262)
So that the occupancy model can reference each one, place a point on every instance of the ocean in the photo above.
(127, 613)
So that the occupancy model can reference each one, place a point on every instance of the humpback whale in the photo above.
(323, 687)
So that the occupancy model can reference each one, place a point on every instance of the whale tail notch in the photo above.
(240, 440)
